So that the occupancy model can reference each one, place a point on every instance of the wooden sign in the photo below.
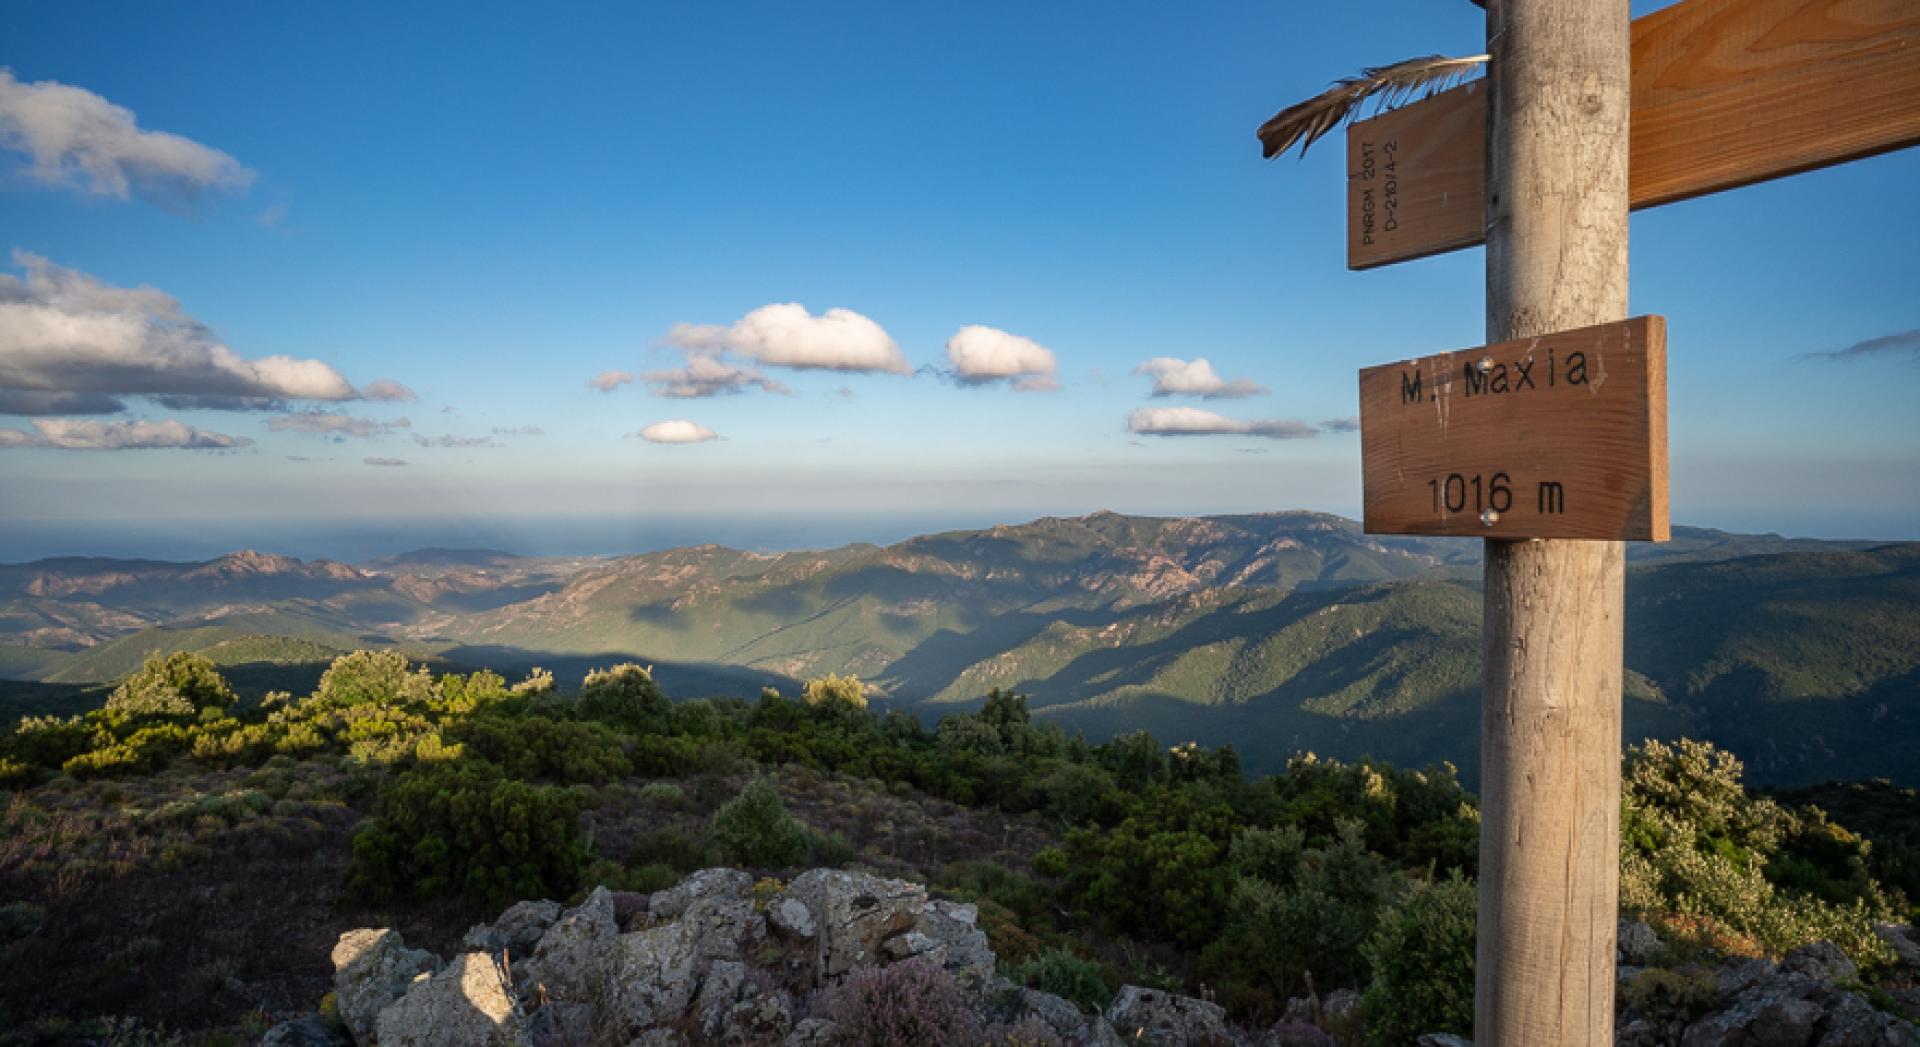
(1725, 93)
(1562, 436)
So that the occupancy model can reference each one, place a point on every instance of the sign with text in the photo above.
(1561, 436)
(1725, 93)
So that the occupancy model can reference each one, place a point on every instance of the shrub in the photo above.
(754, 828)
(536, 747)
(914, 1003)
(1065, 975)
(376, 678)
(1422, 959)
(833, 691)
(178, 684)
(467, 829)
(626, 697)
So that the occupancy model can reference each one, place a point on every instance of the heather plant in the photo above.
(755, 829)
(914, 1003)
(1421, 954)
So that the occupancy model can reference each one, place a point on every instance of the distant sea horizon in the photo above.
(355, 540)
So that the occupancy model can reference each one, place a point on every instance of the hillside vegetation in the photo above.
(238, 838)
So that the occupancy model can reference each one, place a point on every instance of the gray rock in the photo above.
(517, 930)
(1823, 962)
(1059, 1015)
(372, 968)
(659, 1038)
(560, 1023)
(1852, 1022)
(1301, 1010)
(1342, 1005)
(1903, 939)
(1637, 944)
(814, 1032)
(303, 1032)
(1296, 1034)
(1157, 1017)
(1101, 1033)
(565, 964)
(722, 928)
(852, 914)
(719, 990)
(1737, 976)
(792, 918)
(1442, 1039)
(648, 976)
(731, 884)
(469, 1004)
(951, 931)
(1775, 1012)
(760, 1018)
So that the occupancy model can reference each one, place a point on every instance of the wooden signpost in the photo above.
(1561, 436)
(1725, 93)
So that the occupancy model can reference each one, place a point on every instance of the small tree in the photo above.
(625, 696)
(755, 829)
(178, 684)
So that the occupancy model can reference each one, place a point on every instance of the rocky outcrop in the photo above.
(371, 969)
(714, 959)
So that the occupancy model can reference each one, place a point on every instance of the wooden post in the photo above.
(1556, 217)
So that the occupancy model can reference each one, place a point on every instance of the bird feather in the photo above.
(1389, 86)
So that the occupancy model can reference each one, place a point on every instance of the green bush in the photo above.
(466, 829)
(832, 690)
(178, 684)
(375, 678)
(1066, 975)
(755, 829)
(540, 748)
(1422, 959)
(626, 697)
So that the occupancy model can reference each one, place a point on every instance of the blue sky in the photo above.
(491, 205)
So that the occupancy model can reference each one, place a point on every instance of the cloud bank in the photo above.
(1194, 421)
(76, 139)
(1196, 377)
(707, 375)
(385, 461)
(987, 354)
(72, 434)
(65, 334)
(608, 381)
(1349, 424)
(388, 390)
(786, 335)
(676, 431)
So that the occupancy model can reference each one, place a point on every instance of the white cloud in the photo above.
(1196, 377)
(676, 431)
(1193, 421)
(384, 461)
(987, 354)
(520, 430)
(388, 390)
(786, 335)
(707, 375)
(608, 381)
(454, 441)
(72, 434)
(78, 139)
(335, 425)
(64, 332)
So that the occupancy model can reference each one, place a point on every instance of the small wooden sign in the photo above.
(1561, 436)
(1725, 93)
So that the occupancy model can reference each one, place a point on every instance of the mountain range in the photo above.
(1277, 633)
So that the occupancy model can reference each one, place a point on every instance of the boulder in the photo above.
(1442, 1039)
(372, 967)
(565, 964)
(560, 1022)
(792, 918)
(648, 977)
(1823, 962)
(469, 1004)
(517, 930)
(1774, 1012)
(814, 1032)
(1296, 1034)
(1853, 1022)
(1057, 1014)
(1157, 1017)
(726, 884)
(1903, 939)
(852, 914)
(722, 928)
(310, 1031)
(1636, 944)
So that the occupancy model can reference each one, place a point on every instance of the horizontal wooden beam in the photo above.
(1726, 93)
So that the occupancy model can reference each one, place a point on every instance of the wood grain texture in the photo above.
(1725, 93)
(1555, 212)
(1584, 409)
